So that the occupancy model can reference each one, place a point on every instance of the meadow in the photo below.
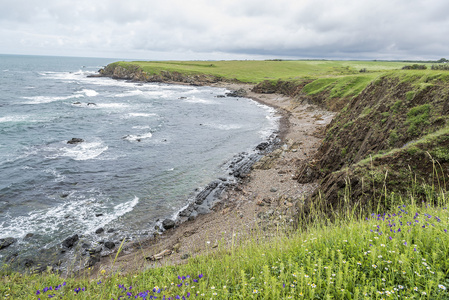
(399, 253)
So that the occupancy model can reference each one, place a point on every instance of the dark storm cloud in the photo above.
(200, 29)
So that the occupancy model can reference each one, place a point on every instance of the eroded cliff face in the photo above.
(136, 73)
(392, 137)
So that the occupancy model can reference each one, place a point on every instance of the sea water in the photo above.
(147, 148)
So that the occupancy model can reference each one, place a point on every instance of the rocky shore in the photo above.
(261, 192)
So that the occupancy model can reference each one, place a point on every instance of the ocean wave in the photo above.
(77, 215)
(49, 99)
(81, 151)
(198, 100)
(132, 137)
(223, 126)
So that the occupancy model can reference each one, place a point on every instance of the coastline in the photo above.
(265, 197)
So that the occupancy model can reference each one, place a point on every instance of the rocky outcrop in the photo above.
(6, 242)
(75, 141)
(136, 73)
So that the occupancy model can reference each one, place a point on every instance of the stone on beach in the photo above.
(6, 242)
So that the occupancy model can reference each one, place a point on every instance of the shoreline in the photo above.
(262, 195)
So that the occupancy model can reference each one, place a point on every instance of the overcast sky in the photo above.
(227, 29)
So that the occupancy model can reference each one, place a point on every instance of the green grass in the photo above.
(258, 71)
(387, 255)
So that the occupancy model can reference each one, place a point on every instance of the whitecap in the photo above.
(112, 105)
(82, 151)
(129, 94)
(223, 126)
(48, 99)
(132, 137)
(131, 115)
(88, 93)
(198, 100)
(76, 215)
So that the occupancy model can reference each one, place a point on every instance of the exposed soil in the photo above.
(268, 196)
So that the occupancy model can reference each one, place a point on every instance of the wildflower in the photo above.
(415, 288)
(423, 293)
(374, 266)
(212, 288)
(255, 291)
(102, 272)
(359, 263)
(215, 294)
(442, 287)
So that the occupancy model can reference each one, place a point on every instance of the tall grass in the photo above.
(397, 253)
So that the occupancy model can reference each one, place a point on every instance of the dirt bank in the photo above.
(267, 196)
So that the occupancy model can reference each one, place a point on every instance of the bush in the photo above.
(414, 67)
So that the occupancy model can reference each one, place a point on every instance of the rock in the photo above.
(109, 245)
(262, 146)
(99, 215)
(111, 230)
(75, 141)
(77, 103)
(176, 247)
(168, 223)
(95, 250)
(99, 230)
(273, 190)
(91, 103)
(6, 242)
(93, 259)
(185, 256)
(28, 263)
(159, 255)
(29, 235)
(70, 241)
(237, 93)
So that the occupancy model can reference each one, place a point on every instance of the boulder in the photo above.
(109, 244)
(99, 230)
(70, 241)
(6, 242)
(75, 141)
(167, 224)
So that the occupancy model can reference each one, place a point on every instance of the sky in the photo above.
(227, 29)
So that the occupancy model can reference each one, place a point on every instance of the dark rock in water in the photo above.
(65, 195)
(221, 96)
(98, 215)
(70, 241)
(75, 141)
(111, 230)
(29, 235)
(262, 146)
(109, 245)
(237, 93)
(187, 211)
(91, 103)
(99, 230)
(204, 193)
(85, 245)
(77, 103)
(95, 250)
(6, 242)
(167, 224)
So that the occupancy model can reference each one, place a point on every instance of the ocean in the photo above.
(148, 149)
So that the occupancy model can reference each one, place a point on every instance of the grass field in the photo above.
(257, 71)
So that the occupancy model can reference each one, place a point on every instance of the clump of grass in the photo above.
(417, 117)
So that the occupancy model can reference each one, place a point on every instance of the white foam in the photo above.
(224, 126)
(140, 115)
(132, 137)
(19, 118)
(52, 221)
(141, 127)
(129, 94)
(81, 151)
(112, 105)
(89, 93)
(198, 100)
(48, 99)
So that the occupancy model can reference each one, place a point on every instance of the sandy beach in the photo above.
(265, 199)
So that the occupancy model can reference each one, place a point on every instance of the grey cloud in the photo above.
(245, 28)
